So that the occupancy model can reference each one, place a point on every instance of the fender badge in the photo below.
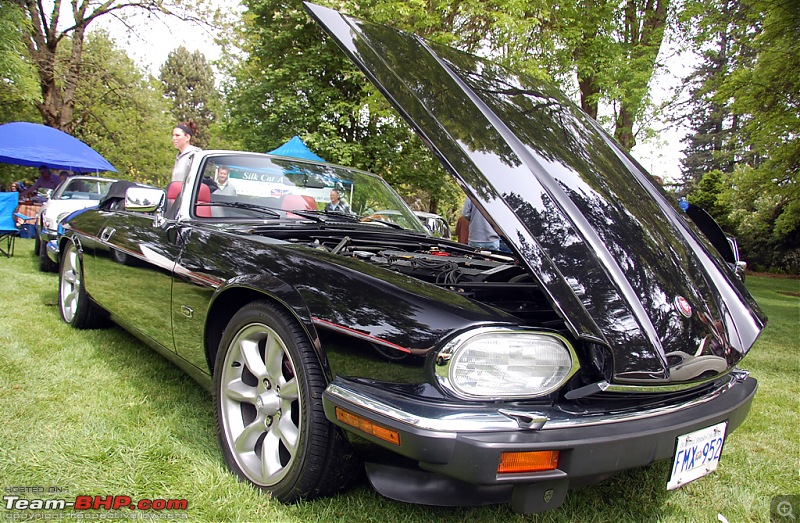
(683, 306)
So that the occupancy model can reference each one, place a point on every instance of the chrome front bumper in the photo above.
(452, 453)
(492, 419)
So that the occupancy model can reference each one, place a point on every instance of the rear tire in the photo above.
(271, 426)
(73, 301)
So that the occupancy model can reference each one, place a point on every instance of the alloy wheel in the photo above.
(260, 404)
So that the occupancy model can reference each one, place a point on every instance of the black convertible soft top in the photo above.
(115, 196)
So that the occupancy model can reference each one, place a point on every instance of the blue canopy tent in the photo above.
(33, 145)
(295, 148)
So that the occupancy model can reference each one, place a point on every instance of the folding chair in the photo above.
(8, 229)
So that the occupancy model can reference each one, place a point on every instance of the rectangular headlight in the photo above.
(499, 363)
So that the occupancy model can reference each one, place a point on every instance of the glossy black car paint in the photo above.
(611, 251)
(600, 256)
(324, 291)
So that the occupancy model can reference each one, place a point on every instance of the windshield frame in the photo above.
(286, 184)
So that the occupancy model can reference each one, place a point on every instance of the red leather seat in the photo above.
(204, 196)
(295, 201)
(173, 190)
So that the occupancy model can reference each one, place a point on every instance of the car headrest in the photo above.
(173, 190)
(297, 202)
(204, 196)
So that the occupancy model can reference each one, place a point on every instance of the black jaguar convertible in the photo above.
(336, 341)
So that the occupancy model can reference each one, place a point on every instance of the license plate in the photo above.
(697, 454)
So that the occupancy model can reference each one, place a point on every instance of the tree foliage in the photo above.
(295, 81)
(49, 30)
(708, 195)
(122, 113)
(18, 85)
(17, 77)
(751, 100)
(188, 83)
(607, 48)
(119, 111)
(767, 96)
(723, 36)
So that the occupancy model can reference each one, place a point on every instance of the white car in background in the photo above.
(74, 193)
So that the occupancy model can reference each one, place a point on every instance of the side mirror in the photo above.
(144, 199)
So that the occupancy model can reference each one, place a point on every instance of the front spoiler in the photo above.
(460, 467)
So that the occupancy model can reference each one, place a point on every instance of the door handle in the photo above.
(106, 233)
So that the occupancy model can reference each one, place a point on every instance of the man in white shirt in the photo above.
(223, 183)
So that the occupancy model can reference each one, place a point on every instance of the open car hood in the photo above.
(613, 254)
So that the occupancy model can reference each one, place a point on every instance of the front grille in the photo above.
(617, 401)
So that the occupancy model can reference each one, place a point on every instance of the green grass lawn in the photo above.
(98, 413)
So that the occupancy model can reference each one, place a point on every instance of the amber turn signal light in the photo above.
(516, 462)
(365, 425)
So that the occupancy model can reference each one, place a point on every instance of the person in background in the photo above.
(63, 175)
(182, 135)
(223, 185)
(481, 233)
(336, 204)
(46, 180)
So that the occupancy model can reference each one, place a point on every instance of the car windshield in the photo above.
(82, 189)
(319, 192)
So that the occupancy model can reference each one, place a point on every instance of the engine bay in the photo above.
(493, 278)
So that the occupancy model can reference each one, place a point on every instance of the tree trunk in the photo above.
(623, 130)
(644, 31)
(59, 82)
(589, 92)
(58, 97)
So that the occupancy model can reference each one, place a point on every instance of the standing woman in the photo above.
(182, 135)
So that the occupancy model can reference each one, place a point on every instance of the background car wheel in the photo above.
(45, 263)
(272, 429)
(36, 243)
(76, 308)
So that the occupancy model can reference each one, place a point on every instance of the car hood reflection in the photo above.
(611, 251)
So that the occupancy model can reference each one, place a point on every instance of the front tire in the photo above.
(75, 305)
(45, 263)
(36, 242)
(271, 426)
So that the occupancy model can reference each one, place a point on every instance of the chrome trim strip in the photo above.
(676, 387)
(493, 420)
(486, 421)
(358, 334)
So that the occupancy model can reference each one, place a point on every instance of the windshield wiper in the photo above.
(305, 213)
(350, 217)
(242, 205)
(334, 216)
(387, 223)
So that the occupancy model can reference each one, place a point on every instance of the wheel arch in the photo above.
(229, 300)
(64, 240)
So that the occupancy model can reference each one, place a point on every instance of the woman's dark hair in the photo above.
(189, 127)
